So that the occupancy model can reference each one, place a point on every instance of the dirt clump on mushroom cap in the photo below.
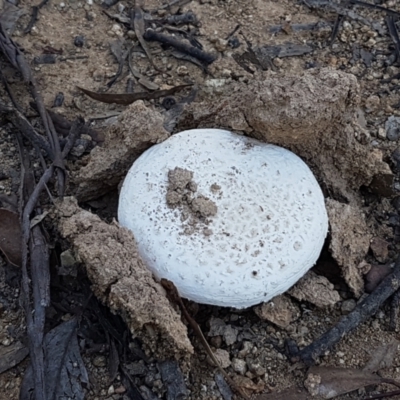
(195, 210)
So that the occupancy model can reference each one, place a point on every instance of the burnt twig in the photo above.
(201, 55)
(76, 129)
(34, 16)
(361, 313)
(335, 30)
(390, 21)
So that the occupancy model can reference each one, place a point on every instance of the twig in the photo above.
(383, 395)
(34, 16)
(335, 30)
(393, 34)
(361, 313)
(206, 58)
(74, 133)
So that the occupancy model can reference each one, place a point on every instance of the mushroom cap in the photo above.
(266, 228)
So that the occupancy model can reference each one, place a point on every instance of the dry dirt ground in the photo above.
(342, 97)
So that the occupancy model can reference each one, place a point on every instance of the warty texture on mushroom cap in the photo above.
(267, 231)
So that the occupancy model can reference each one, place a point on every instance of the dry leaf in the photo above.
(129, 98)
(293, 393)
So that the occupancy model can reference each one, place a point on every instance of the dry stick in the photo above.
(34, 16)
(390, 21)
(176, 298)
(183, 47)
(360, 314)
(74, 132)
(35, 321)
(383, 395)
(138, 26)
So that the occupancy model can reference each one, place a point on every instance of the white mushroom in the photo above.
(230, 220)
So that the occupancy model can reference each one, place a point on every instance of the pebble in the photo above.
(131, 35)
(392, 127)
(221, 45)
(246, 349)
(110, 390)
(278, 62)
(257, 369)
(99, 361)
(380, 249)
(117, 30)
(239, 366)
(372, 103)
(182, 70)
(348, 306)
(79, 41)
(222, 357)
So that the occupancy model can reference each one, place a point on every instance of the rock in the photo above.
(246, 349)
(121, 280)
(230, 335)
(222, 357)
(99, 361)
(219, 328)
(246, 383)
(350, 240)
(380, 249)
(392, 127)
(136, 129)
(310, 114)
(257, 369)
(315, 289)
(375, 276)
(239, 366)
(348, 306)
(372, 103)
(280, 311)
(382, 184)
(69, 265)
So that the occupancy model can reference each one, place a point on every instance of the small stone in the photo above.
(312, 384)
(257, 369)
(280, 311)
(348, 306)
(131, 35)
(99, 361)
(117, 30)
(222, 357)
(221, 45)
(380, 249)
(230, 335)
(182, 70)
(239, 366)
(120, 390)
(278, 62)
(110, 390)
(216, 341)
(246, 349)
(375, 276)
(79, 41)
(372, 103)
(392, 127)
(381, 133)
(315, 289)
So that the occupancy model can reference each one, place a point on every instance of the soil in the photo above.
(195, 210)
(335, 106)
